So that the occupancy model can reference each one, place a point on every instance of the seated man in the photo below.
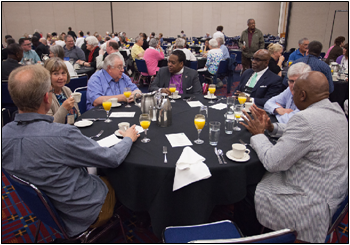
(28, 53)
(259, 82)
(186, 79)
(14, 55)
(54, 156)
(301, 51)
(137, 51)
(307, 169)
(112, 47)
(223, 48)
(40, 48)
(282, 105)
(180, 45)
(72, 51)
(109, 82)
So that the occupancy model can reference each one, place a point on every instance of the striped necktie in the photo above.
(253, 80)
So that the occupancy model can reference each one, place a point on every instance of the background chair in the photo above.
(7, 104)
(77, 82)
(41, 206)
(142, 67)
(82, 103)
(192, 64)
(338, 217)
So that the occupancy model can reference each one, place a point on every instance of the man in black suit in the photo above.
(39, 47)
(15, 55)
(259, 82)
(186, 79)
(9, 40)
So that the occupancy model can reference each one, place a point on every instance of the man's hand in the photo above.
(131, 133)
(166, 90)
(281, 110)
(262, 116)
(243, 47)
(253, 125)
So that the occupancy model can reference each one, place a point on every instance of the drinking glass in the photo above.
(172, 88)
(230, 100)
(199, 122)
(204, 111)
(145, 121)
(214, 132)
(212, 89)
(242, 99)
(107, 106)
(127, 93)
(238, 113)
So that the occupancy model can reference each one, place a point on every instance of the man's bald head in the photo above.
(260, 60)
(112, 46)
(310, 88)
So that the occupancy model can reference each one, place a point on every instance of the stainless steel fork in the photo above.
(165, 151)
(97, 135)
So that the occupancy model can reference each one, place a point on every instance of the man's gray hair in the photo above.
(180, 43)
(66, 36)
(91, 40)
(110, 61)
(302, 40)
(57, 51)
(213, 43)
(249, 20)
(298, 69)
(220, 41)
(28, 85)
(153, 43)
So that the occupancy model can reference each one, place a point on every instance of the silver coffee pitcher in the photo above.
(163, 106)
(144, 101)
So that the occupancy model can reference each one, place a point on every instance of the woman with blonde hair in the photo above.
(63, 108)
(276, 61)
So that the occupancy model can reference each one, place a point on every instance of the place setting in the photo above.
(238, 153)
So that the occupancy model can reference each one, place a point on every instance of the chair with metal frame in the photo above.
(338, 217)
(41, 206)
(142, 67)
(78, 82)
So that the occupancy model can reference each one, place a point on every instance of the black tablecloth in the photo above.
(144, 183)
(340, 93)
(87, 70)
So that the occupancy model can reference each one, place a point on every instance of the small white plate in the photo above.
(210, 97)
(245, 158)
(118, 134)
(117, 105)
(83, 123)
(175, 98)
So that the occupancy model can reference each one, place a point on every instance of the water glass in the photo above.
(230, 103)
(229, 122)
(204, 111)
(214, 132)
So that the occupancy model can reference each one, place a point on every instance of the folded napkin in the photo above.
(122, 114)
(219, 106)
(178, 140)
(109, 141)
(194, 103)
(189, 169)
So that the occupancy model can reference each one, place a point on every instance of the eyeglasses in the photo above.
(291, 81)
(257, 59)
(28, 44)
(119, 67)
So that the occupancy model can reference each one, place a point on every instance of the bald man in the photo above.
(259, 82)
(307, 169)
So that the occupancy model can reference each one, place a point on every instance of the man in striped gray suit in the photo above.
(307, 168)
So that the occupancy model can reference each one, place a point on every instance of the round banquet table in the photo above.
(143, 182)
(87, 70)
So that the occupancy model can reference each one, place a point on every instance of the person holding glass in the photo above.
(109, 82)
(63, 108)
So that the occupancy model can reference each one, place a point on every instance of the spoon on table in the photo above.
(222, 155)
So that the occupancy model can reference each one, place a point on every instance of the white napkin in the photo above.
(122, 114)
(189, 169)
(109, 141)
(178, 140)
(219, 106)
(194, 103)
(139, 129)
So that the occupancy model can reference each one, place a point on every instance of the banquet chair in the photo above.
(77, 82)
(41, 206)
(238, 56)
(124, 54)
(191, 64)
(142, 67)
(82, 103)
(338, 217)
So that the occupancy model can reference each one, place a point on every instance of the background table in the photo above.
(144, 183)
(87, 70)
(340, 93)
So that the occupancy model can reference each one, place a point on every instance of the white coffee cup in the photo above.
(176, 93)
(335, 78)
(239, 150)
(76, 66)
(114, 101)
(123, 126)
(76, 96)
(248, 105)
(342, 76)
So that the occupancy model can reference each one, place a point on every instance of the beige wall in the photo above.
(195, 18)
(314, 20)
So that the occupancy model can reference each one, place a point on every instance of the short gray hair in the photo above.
(153, 42)
(57, 51)
(213, 43)
(249, 20)
(138, 38)
(298, 69)
(66, 36)
(110, 61)
(180, 43)
(302, 40)
(28, 85)
(91, 40)
(220, 40)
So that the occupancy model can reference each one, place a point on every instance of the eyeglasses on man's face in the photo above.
(119, 67)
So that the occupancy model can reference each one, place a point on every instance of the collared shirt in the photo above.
(188, 53)
(54, 157)
(31, 54)
(102, 84)
(285, 99)
(295, 55)
(225, 52)
(75, 53)
(316, 65)
(136, 50)
(260, 73)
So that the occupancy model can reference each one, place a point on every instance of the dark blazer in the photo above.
(268, 86)
(93, 63)
(7, 66)
(41, 49)
(190, 81)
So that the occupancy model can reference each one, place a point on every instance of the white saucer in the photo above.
(175, 98)
(83, 123)
(118, 134)
(245, 158)
(210, 97)
(117, 105)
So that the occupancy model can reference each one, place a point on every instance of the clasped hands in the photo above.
(258, 123)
